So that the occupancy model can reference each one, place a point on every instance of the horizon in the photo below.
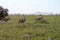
(31, 6)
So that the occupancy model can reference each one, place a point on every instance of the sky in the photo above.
(31, 6)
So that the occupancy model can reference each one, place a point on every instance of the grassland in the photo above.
(30, 30)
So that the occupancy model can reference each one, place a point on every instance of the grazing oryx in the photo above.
(41, 19)
(6, 19)
(22, 20)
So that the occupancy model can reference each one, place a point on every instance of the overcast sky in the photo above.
(31, 6)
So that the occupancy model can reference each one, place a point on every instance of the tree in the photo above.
(3, 12)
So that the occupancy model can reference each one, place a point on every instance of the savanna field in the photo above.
(30, 30)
